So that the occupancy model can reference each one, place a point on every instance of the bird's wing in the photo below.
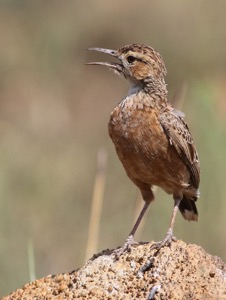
(180, 138)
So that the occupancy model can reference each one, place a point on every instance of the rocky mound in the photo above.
(180, 272)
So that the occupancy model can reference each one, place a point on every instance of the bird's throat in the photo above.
(134, 89)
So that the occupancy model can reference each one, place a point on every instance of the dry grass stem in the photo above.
(97, 202)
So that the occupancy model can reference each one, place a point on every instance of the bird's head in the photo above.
(138, 63)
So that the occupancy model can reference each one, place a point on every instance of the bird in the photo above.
(151, 138)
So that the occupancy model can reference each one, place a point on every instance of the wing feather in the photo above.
(180, 138)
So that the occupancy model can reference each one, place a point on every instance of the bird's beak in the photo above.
(115, 66)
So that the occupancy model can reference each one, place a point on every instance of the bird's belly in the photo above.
(146, 153)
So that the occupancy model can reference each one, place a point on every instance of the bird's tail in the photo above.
(188, 208)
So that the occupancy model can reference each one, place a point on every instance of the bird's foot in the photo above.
(126, 247)
(167, 241)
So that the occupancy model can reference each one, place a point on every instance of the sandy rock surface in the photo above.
(180, 272)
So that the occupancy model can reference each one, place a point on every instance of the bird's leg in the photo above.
(130, 240)
(140, 217)
(169, 234)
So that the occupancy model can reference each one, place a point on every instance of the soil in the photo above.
(183, 272)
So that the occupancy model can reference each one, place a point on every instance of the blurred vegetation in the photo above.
(53, 121)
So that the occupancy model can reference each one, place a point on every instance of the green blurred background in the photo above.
(53, 120)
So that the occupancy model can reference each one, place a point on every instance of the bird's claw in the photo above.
(126, 247)
(167, 241)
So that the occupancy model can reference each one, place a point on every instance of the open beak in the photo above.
(115, 66)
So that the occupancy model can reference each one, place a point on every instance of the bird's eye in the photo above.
(131, 59)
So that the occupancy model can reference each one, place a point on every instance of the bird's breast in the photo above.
(134, 127)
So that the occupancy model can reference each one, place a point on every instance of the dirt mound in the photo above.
(180, 272)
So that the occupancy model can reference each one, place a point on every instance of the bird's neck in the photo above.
(155, 86)
(139, 99)
(150, 93)
(149, 86)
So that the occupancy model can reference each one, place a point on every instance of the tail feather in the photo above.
(188, 209)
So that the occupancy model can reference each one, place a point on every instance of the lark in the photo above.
(151, 138)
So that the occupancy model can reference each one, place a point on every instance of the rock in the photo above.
(182, 272)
